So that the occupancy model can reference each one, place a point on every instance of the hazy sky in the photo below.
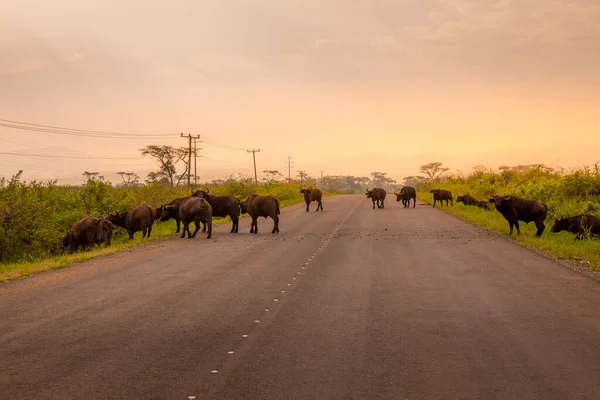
(343, 86)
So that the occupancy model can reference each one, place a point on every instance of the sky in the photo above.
(346, 87)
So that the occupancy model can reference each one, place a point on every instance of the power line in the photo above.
(29, 125)
(80, 157)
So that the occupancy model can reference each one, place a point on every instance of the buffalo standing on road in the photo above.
(261, 206)
(515, 209)
(579, 225)
(222, 206)
(84, 233)
(407, 193)
(467, 200)
(376, 195)
(138, 219)
(190, 209)
(160, 210)
(442, 195)
(311, 195)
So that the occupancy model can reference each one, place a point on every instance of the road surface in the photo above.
(350, 303)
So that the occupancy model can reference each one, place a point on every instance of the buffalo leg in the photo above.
(203, 226)
(275, 225)
(434, 202)
(197, 225)
(540, 228)
(320, 205)
(209, 232)
(144, 232)
(149, 230)
(373, 204)
(307, 207)
(178, 225)
(255, 223)
(184, 230)
(517, 226)
(382, 203)
(510, 223)
(414, 202)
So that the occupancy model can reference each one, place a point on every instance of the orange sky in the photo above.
(347, 87)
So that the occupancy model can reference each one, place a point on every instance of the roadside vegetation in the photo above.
(35, 216)
(566, 193)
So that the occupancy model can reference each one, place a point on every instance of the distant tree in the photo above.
(414, 181)
(167, 158)
(130, 179)
(92, 176)
(380, 179)
(272, 176)
(433, 170)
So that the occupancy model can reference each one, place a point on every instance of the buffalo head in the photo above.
(306, 192)
(560, 224)
(117, 217)
(460, 199)
(498, 200)
(167, 212)
(369, 193)
(201, 193)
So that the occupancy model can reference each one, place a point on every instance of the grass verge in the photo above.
(160, 231)
(562, 246)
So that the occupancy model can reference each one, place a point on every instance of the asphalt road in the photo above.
(350, 303)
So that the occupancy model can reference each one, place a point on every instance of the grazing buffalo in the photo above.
(222, 206)
(515, 209)
(261, 206)
(467, 200)
(106, 231)
(311, 195)
(138, 219)
(483, 204)
(377, 195)
(442, 195)
(407, 193)
(190, 209)
(160, 209)
(579, 225)
(84, 233)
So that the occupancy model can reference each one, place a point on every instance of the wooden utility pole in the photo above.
(254, 151)
(190, 137)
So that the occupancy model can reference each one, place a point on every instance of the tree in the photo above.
(272, 176)
(380, 179)
(130, 179)
(414, 180)
(433, 170)
(167, 158)
(92, 176)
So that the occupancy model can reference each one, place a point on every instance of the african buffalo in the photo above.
(515, 209)
(483, 204)
(578, 225)
(222, 206)
(138, 219)
(190, 209)
(441, 195)
(407, 193)
(84, 233)
(105, 233)
(261, 206)
(376, 195)
(311, 195)
(467, 200)
(159, 211)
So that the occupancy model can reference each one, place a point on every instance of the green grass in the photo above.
(555, 245)
(160, 231)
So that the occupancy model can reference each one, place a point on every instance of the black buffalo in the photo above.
(442, 195)
(159, 211)
(377, 195)
(84, 233)
(188, 210)
(579, 225)
(222, 206)
(515, 209)
(467, 200)
(261, 206)
(407, 193)
(138, 219)
(312, 194)
(483, 204)
(106, 232)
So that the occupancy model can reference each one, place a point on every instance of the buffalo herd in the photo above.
(201, 207)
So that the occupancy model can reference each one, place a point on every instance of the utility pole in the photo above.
(321, 174)
(189, 137)
(254, 151)
(302, 174)
(289, 166)
(195, 156)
